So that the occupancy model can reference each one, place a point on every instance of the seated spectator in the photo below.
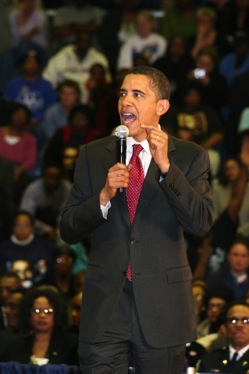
(216, 299)
(28, 26)
(61, 275)
(43, 199)
(236, 62)
(117, 26)
(206, 76)
(17, 144)
(234, 357)
(176, 62)
(79, 131)
(25, 245)
(96, 86)
(179, 19)
(44, 317)
(146, 42)
(238, 100)
(57, 115)
(191, 120)
(8, 283)
(206, 34)
(234, 273)
(75, 14)
(11, 309)
(74, 62)
(30, 89)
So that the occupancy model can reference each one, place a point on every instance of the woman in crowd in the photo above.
(45, 321)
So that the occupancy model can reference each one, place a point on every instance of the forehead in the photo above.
(238, 311)
(41, 300)
(136, 82)
(239, 248)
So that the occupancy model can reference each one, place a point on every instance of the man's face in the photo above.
(138, 105)
(68, 96)
(8, 284)
(22, 227)
(215, 307)
(238, 258)
(237, 331)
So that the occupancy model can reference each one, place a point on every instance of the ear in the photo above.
(162, 107)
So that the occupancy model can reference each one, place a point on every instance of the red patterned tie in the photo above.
(134, 189)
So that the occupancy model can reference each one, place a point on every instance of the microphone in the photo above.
(121, 133)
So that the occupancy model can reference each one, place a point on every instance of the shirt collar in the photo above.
(241, 352)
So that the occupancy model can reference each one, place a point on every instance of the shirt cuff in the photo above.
(105, 209)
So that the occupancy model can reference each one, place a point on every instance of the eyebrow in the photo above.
(122, 90)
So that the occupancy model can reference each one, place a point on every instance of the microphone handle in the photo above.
(122, 154)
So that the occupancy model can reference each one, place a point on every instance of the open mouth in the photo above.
(128, 117)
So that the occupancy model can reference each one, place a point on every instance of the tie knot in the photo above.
(137, 148)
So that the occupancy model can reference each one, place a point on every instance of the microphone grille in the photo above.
(122, 131)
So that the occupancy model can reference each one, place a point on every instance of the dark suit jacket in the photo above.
(62, 349)
(219, 360)
(154, 244)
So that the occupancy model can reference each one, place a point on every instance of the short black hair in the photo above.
(159, 83)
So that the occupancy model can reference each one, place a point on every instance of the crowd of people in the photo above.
(60, 77)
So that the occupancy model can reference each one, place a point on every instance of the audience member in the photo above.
(191, 120)
(44, 317)
(28, 26)
(234, 357)
(19, 146)
(146, 42)
(30, 89)
(43, 199)
(179, 19)
(216, 299)
(206, 34)
(57, 115)
(74, 62)
(61, 275)
(8, 282)
(238, 99)
(208, 79)
(11, 309)
(236, 62)
(234, 273)
(117, 26)
(78, 132)
(75, 15)
(24, 245)
(96, 86)
(176, 62)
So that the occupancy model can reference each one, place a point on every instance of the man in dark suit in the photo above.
(233, 358)
(150, 314)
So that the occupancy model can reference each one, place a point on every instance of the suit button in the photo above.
(133, 241)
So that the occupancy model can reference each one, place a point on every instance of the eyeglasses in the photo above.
(43, 310)
(235, 321)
